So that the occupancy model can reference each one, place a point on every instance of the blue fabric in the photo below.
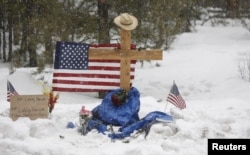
(126, 115)
(96, 124)
(122, 115)
(144, 124)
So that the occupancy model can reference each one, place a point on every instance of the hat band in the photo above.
(127, 24)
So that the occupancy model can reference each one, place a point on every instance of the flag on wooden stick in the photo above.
(175, 97)
(94, 76)
(10, 91)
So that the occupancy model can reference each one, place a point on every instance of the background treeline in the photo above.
(29, 29)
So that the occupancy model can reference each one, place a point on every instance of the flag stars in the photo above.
(74, 56)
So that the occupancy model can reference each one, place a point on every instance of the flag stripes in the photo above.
(10, 91)
(175, 98)
(103, 79)
(177, 101)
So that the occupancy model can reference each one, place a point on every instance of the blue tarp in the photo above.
(125, 115)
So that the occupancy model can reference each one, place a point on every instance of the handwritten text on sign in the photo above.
(32, 106)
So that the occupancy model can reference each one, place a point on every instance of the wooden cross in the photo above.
(125, 55)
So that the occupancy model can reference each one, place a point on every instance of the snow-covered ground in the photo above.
(204, 65)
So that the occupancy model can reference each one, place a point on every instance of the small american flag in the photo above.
(100, 75)
(175, 98)
(10, 91)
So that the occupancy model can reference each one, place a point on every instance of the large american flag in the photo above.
(175, 97)
(87, 75)
(10, 91)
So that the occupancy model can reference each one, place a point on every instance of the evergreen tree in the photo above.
(32, 27)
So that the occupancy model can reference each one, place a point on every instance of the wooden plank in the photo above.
(125, 74)
(125, 63)
(117, 54)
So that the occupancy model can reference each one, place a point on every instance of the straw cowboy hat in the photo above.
(126, 21)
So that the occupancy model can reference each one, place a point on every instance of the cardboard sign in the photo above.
(32, 106)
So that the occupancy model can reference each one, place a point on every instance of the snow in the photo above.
(204, 65)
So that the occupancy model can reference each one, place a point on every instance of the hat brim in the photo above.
(126, 27)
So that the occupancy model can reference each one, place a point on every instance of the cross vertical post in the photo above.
(125, 63)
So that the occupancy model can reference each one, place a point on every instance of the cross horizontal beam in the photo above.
(124, 54)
